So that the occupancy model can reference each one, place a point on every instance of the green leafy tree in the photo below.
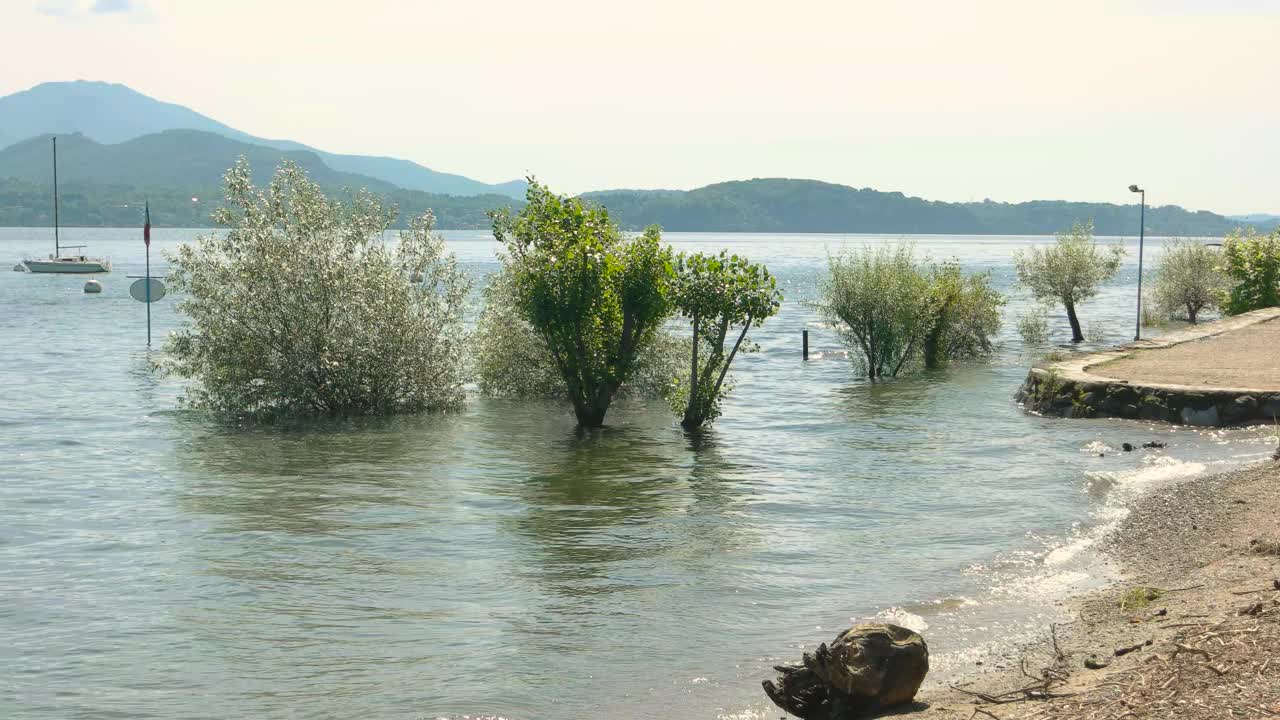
(1252, 262)
(880, 298)
(299, 308)
(1069, 271)
(898, 312)
(718, 293)
(511, 360)
(1188, 280)
(596, 299)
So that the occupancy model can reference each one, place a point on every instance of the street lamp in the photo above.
(1142, 227)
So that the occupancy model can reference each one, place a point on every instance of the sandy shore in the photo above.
(1244, 358)
(1199, 602)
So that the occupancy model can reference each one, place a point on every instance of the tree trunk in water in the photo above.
(1076, 335)
(591, 409)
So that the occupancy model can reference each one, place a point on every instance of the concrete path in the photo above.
(1219, 373)
(1245, 358)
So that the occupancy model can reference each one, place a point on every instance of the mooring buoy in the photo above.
(93, 286)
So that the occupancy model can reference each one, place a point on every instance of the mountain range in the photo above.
(111, 113)
(117, 146)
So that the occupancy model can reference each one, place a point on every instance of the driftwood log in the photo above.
(867, 668)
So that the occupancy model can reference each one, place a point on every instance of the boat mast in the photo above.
(57, 249)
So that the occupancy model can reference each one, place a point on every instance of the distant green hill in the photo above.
(188, 159)
(809, 206)
(27, 204)
(103, 185)
(180, 172)
(112, 113)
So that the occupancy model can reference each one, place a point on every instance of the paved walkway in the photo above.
(1245, 358)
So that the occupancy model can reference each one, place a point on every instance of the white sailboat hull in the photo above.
(68, 265)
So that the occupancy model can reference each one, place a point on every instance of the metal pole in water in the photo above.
(146, 239)
(148, 295)
(1142, 228)
(804, 335)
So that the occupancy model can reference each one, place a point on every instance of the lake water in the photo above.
(154, 564)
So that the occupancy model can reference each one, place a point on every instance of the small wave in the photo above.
(1097, 447)
(899, 616)
(941, 606)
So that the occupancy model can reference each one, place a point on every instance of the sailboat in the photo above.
(57, 262)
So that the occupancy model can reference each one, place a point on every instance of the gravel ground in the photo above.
(1199, 610)
(1244, 358)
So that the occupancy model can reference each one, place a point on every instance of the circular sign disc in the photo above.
(139, 289)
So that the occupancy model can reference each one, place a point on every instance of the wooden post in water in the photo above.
(804, 336)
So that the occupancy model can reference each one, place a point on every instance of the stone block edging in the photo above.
(1068, 389)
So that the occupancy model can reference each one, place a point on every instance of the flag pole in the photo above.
(146, 238)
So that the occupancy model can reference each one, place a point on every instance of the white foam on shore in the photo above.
(1028, 586)
(899, 616)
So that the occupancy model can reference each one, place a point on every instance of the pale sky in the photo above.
(947, 100)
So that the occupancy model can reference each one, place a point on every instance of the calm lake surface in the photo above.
(153, 564)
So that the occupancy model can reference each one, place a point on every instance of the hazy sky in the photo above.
(949, 100)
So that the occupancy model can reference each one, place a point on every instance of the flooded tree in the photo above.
(512, 360)
(1069, 271)
(1188, 280)
(597, 299)
(300, 308)
(718, 293)
(897, 312)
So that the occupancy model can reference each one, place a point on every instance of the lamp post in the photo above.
(1142, 227)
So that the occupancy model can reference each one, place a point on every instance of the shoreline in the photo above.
(1213, 374)
(1189, 541)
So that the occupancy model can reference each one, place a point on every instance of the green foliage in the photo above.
(1188, 279)
(1069, 271)
(299, 309)
(1096, 332)
(897, 312)
(965, 313)
(716, 293)
(512, 359)
(1252, 262)
(1045, 392)
(1080, 406)
(1151, 314)
(1033, 326)
(1138, 597)
(596, 299)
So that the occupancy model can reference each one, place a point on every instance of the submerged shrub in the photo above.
(596, 299)
(965, 316)
(1069, 271)
(299, 308)
(1033, 326)
(1188, 280)
(1096, 332)
(897, 312)
(1252, 264)
(513, 361)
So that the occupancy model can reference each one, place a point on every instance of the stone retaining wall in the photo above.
(1068, 389)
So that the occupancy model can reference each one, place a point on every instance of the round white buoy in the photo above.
(93, 286)
(19, 268)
